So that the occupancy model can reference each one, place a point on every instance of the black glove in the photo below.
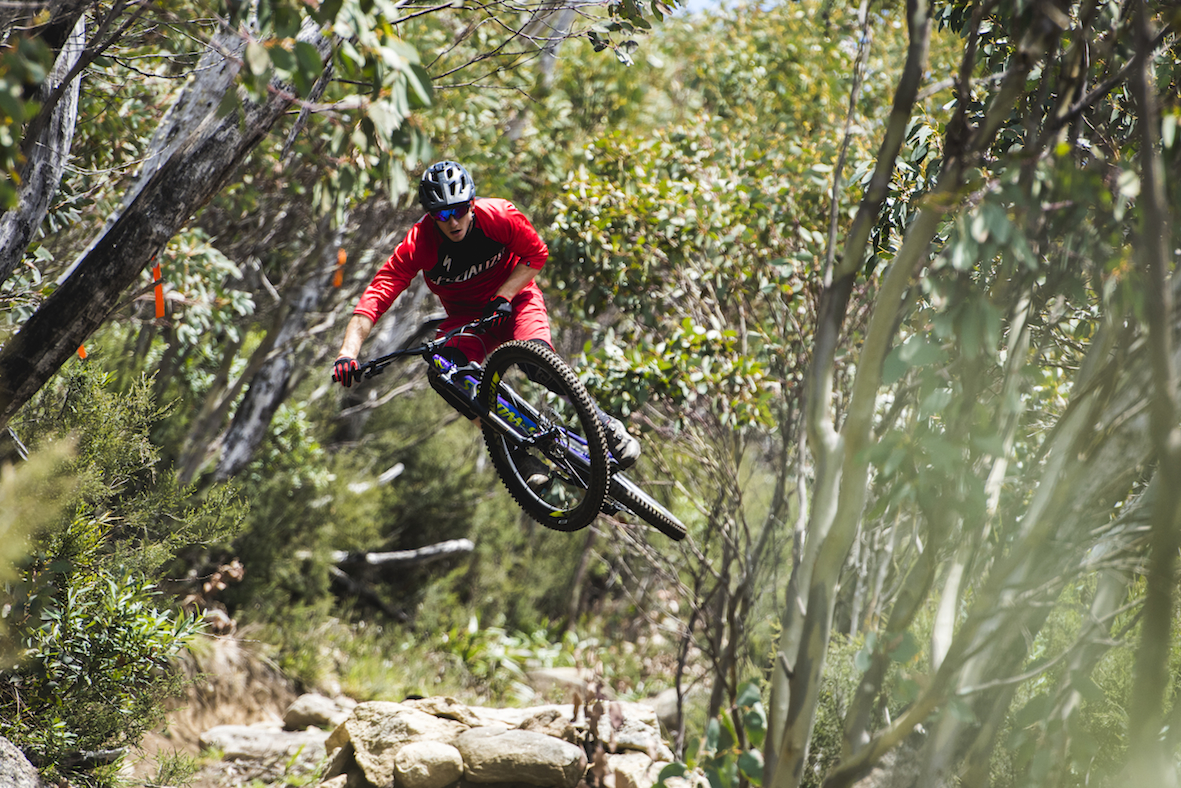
(345, 371)
(500, 310)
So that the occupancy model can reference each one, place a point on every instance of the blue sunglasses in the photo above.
(448, 214)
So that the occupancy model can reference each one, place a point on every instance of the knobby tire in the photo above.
(510, 359)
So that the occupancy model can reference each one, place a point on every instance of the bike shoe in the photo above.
(624, 448)
(535, 472)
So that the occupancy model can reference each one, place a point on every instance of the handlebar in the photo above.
(377, 365)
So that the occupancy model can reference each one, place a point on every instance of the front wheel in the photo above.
(544, 435)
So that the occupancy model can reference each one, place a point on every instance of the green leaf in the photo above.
(997, 221)
(979, 227)
(713, 732)
(906, 650)
(327, 12)
(11, 104)
(623, 53)
(935, 402)
(960, 709)
(893, 368)
(1168, 129)
(282, 59)
(286, 21)
(675, 769)
(308, 57)
(728, 736)
(907, 691)
(755, 724)
(257, 58)
(916, 351)
(992, 444)
(963, 253)
(722, 773)
(748, 694)
(751, 764)
(385, 118)
(919, 350)
(1033, 710)
(420, 85)
(229, 103)
(972, 333)
(863, 659)
(1091, 692)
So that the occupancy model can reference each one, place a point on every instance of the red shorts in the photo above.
(530, 321)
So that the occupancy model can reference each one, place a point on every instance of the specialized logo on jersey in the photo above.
(443, 275)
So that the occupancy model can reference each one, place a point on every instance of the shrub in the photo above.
(92, 673)
(91, 636)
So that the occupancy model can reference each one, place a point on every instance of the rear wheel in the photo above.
(625, 492)
(544, 435)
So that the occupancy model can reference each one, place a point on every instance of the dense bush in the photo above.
(91, 635)
(93, 669)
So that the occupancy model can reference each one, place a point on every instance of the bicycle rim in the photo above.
(552, 428)
(626, 493)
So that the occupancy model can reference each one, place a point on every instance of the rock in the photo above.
(448, 709)
(340, 781)
(15, 769)
(262, 742)
(496, 755)
(552, 722)
(632, 770)
(342, 768)
(436, 742)
(565, 679)
(665, 705)
(315, 710)
(427, 764)
(379, 729)
(638, 729)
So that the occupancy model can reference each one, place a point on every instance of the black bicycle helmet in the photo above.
(445, 183)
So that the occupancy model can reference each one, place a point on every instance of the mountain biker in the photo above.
(480, 257)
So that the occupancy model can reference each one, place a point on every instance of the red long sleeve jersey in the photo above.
(465, 275)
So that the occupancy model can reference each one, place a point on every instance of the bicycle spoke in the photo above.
(538, 440)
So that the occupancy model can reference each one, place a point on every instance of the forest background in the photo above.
(886, 288)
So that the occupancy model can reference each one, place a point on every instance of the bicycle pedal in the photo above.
(611, 508)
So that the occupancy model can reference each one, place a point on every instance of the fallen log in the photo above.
(401, 558)
(396, 559)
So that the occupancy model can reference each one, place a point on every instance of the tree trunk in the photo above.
(819, 427)
(199, 151)
(42, 173)
(269, 386)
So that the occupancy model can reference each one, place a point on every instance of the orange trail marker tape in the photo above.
(82, 352)
(338, 277)
(159, 291)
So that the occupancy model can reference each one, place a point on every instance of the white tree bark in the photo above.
(42, 173)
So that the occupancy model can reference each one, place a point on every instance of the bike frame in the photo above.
(514, 419)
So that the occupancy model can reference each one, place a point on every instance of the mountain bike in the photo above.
(541, 429)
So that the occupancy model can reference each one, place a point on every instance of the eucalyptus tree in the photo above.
(1007, 427)
(691, 246)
